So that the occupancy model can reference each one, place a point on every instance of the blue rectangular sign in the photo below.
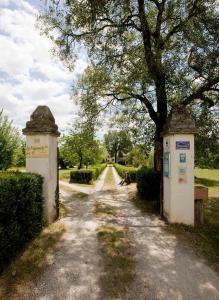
(182, 145)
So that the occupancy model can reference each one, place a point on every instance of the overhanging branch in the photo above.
(199, 93)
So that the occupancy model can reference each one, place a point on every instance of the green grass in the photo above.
(210, 179)
(109, 179)
(16, 169)
(64, 174)
(26, 268)
(104, 210)
(211, 174)
(118, 261)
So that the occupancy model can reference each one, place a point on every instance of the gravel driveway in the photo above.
(165, 268)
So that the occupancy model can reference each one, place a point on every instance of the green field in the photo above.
(210, 179)
(65, 174)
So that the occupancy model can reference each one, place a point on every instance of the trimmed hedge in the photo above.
(87, 175)
(148, 184)
(122, 170)
(21, 210)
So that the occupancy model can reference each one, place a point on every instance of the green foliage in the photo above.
(87, 175)
(207, 138)
(117, 143)
(138, 125)
(123, 171)
(82, 176)
(137, 156)
(21, 217)
(144, 55)
(8, 142)
(20, 154)
(153, 52)
(150, 161)
(79, 147)
(148, 184)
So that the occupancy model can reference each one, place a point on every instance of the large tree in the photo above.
(79, 146)
(117, 143)
(156, 52)
(207, 138)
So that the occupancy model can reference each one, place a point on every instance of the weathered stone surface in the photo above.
(41, 122)
(179, 121)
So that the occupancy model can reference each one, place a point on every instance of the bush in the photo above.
(87, 175)
(21, 206)
(123, 170)
(81, 176)
(148, 184)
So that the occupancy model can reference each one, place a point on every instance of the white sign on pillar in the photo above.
(41, 155)
(178, 167)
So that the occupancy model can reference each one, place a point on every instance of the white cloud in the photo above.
(30, 75)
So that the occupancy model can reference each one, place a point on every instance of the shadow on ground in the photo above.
(23, 272)
(207, 182)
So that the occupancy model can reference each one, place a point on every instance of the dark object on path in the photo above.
(126, 180)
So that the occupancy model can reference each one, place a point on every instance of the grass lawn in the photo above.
(16, 169)
(208, 178)
(65, 174)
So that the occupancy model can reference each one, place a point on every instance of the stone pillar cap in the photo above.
(179, 121)
(41, 122)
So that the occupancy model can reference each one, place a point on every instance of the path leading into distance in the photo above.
(165, 268)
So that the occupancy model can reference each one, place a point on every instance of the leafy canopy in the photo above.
(80, 147)
(8, 141)
(117, 143)
(157, 52)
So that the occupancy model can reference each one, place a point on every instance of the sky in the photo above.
(29, 74)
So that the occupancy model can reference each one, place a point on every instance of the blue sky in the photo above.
(29, 74)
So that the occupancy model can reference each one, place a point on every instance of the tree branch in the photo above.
(145, 31)
(179, 26)
(160, 7)
(199, 94)
(148, 105)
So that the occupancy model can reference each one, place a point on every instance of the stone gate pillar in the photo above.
(178, 166)
(41, 155)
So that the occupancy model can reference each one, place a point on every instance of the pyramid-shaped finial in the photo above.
(41, 122)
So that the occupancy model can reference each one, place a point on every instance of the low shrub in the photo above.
(148, 184)
(87, 175)
(123, 170)
(21, 211)
(81, 176)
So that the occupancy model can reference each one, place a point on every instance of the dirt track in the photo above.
(165, 268)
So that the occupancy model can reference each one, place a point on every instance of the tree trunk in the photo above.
(115, 156)
(158, 160)
(80, 163)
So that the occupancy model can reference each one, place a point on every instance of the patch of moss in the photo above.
(102, 210)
